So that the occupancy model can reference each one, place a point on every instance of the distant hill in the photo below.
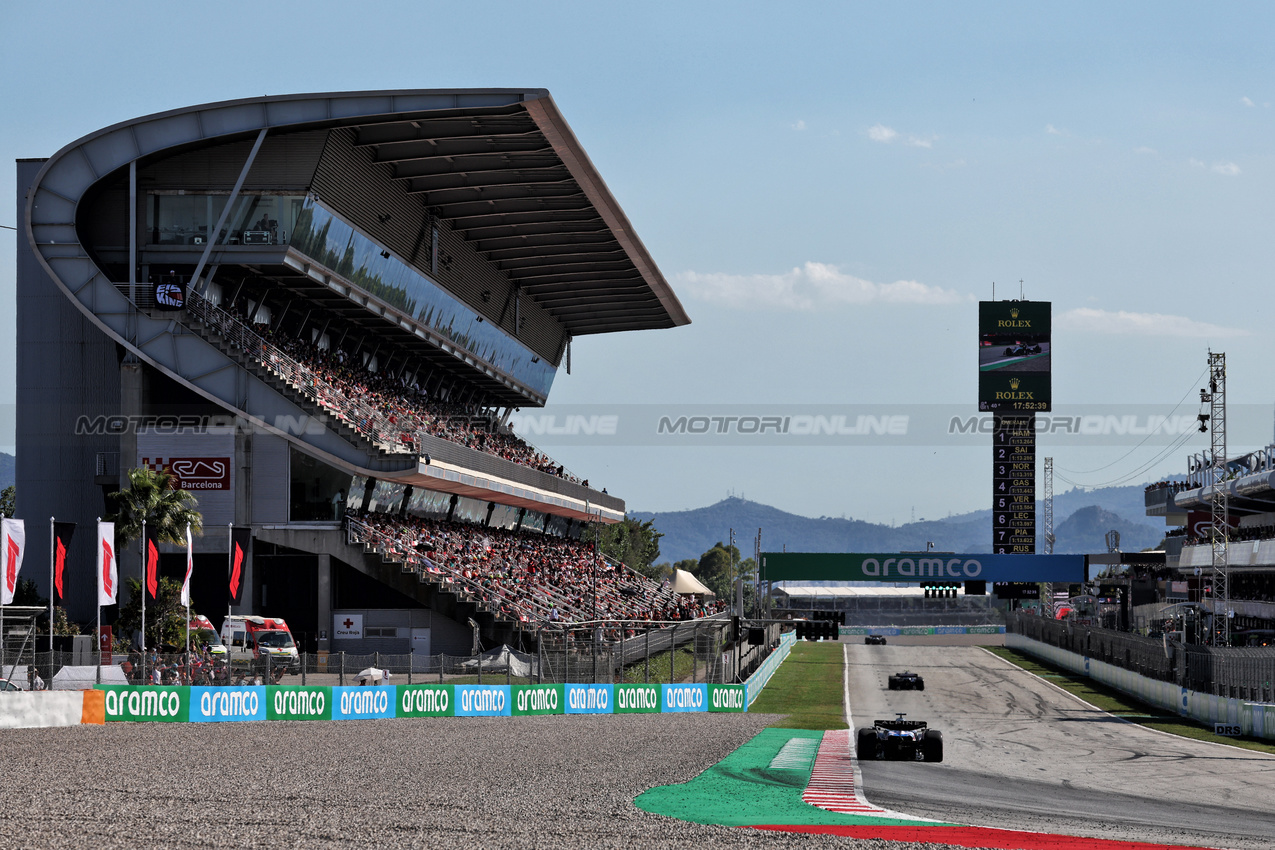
(8, 471)
(1086, 531)
(688, 534)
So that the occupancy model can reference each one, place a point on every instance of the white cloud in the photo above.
(1145, 150)
(808, 287)
(882, 133)
(1052, 130)
(1227, 169)
(1123, 323)
(1247, 102)
(888, 135)
(800, 125)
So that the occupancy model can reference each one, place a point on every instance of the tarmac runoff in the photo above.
(799, 780)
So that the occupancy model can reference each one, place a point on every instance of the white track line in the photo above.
(836, 779)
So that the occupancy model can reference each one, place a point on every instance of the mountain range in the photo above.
(1082, 519)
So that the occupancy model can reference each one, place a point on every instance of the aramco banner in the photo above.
(919, 566)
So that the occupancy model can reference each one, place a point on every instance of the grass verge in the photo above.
(1121, 704)
(807, 687)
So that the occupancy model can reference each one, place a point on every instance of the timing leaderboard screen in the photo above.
(1014, 356)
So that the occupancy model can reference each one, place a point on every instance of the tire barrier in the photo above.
(922, 630)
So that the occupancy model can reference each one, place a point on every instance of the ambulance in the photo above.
(201, 628)
(255, 639)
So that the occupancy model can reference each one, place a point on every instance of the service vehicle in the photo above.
(905, 681)
(260, 639)
(201, 629)
(908, 740)
(874, 640)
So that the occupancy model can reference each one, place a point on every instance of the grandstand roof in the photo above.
(500, 166)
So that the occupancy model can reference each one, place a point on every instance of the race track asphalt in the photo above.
(1022, 754)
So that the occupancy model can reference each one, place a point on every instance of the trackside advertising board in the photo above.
(299, 703)
(678, 698)
(637, 699)
(221, 705)
(154, 704)
(128, 703)
(912, 567)
(727, 698)
(364, 703)
(426, 701)
(538, 699)
(589, 699)
(482, 701)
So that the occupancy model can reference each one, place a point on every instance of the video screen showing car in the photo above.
(1014, 355)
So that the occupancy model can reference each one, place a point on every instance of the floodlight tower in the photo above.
(1215, 395)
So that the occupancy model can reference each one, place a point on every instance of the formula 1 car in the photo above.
(910, 740)
(874, 640)
(905, 682)
(1022, 350)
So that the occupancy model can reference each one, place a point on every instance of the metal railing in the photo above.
(697, 652)
(1240, 672)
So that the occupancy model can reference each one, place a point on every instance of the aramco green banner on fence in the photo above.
(919, 566)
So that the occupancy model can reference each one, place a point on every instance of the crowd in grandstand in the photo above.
(1234, 535)
(1175, 486)
(526, 577)
(1257, 588)
(366, 399)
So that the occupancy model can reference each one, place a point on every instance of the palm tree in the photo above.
(155, 498)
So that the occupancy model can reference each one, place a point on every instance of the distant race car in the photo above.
(910, 740)
(905, 682)
(874, 640)
(1019, 350)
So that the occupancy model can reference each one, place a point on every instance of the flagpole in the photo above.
(186, 589)
(99, 605)
(51, 548)
(230, 559)
(145, 679)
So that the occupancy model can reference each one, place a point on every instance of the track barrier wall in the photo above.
(921, 630)
(754, 683)
(1255, 719)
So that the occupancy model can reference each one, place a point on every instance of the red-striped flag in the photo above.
(13, 542)
(107, 564)
(62, 534)
(152, 562)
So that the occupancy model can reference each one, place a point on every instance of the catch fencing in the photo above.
(695, 652)
(1246, 673)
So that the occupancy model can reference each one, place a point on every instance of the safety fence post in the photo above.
(341, 674)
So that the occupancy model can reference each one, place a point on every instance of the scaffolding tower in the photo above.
(1215, 396)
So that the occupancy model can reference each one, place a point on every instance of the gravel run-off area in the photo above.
(449, 782)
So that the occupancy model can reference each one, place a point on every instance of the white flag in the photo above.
(13, 542)
(107, 564)
(190, 565)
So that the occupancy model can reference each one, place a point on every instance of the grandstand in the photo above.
(1249, 484)
(321, 311)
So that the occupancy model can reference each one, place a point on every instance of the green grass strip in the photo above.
(742, 790)
(1121, 704)
(807, 687)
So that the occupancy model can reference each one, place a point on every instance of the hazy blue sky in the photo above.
(830, 188)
